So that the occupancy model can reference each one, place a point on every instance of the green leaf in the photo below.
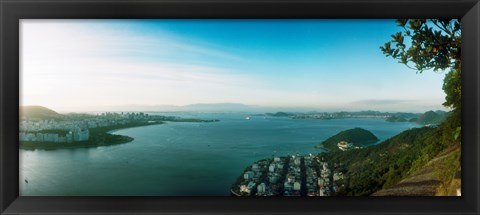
(401, 22)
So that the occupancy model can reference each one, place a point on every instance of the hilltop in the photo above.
(37, 112)
(356, 136)
(432, 117)
(427, 118)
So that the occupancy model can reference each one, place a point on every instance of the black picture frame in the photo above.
(11, 11)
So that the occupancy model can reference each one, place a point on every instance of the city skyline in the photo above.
(310, 64)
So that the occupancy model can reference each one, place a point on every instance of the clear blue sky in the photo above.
(317, 64)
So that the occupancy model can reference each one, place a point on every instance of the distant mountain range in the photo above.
(429, 117)
(200, 107)
(227, 107)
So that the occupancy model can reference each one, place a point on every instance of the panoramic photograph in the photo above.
(233, 107)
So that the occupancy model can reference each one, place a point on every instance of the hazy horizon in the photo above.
(315, 65)
(218, 107)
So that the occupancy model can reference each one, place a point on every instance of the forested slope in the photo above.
(385, 165)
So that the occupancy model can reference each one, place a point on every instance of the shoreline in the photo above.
(119, 129)
(321, 146)
(102, 133)
(69, 146)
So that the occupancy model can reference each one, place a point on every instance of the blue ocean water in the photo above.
(179, 158)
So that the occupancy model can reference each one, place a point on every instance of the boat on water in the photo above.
(247, 118)
(26, 181)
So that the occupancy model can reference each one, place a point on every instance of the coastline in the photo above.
(119, 129)
(97, 133)
(321, 146)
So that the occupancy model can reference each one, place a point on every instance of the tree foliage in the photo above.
(433, 44)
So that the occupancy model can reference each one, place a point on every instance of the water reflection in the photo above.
(180, 158)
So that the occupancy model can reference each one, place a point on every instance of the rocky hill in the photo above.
(37, 112)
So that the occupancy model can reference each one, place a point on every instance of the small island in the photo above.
(349, 139)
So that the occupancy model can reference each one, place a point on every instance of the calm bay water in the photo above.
(181, 159)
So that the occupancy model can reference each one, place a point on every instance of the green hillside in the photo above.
(431, 117)
(280, 114)
(427, 118)
(439, 177)
(37, 112)
(357, 136)
(395, 119)
(386, 164)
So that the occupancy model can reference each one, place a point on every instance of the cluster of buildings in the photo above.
(292, 184)
(330, 180)
(72, 128)
(340, 115)
(57, 136)
(345, 146)
(263, 178)
(290, 176)
(324, 181)
(311, 172)
(276, 171)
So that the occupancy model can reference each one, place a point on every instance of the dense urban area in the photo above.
(76, 128)
(293, 175)
(355, 163)
(84, 130)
